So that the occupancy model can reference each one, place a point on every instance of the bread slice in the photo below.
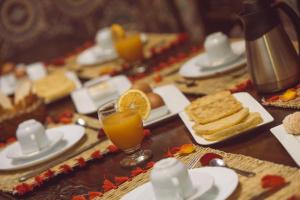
(221, 124)
(23, 90)
(251, 121)
(213, 107)
(5, 102)
(53, 86)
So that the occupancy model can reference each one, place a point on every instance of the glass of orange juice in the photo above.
(130, 48)
(125, 130)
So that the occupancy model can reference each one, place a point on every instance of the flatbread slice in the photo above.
(221, 124)
(5, 102)
(54, 86)
(251, 121)
(23, 90)
(213, 107)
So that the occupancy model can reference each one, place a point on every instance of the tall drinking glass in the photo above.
(125, 130)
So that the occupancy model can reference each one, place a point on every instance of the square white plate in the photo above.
(85, 104)
(290, 142)
(247, 101)
(174, 100)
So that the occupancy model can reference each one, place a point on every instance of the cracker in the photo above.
(213, 107)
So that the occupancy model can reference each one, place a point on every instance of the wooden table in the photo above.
(260, 144)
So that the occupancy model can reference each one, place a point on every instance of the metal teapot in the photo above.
(271, 57)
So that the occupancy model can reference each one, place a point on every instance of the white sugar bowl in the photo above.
(31, 136)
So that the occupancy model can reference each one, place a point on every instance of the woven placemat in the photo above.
(248, 187)
(93, 71)
(9, 179)
(278, 101)
(226, 81)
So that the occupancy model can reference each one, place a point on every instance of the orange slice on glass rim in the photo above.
(135, 100)
(118, 32)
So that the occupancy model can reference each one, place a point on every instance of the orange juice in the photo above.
(124, 129)
(130, 48)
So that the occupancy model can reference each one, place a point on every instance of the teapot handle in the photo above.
(295, 19)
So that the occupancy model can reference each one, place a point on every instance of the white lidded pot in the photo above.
(31, 136)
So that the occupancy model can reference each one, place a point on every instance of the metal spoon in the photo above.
(217, 162)
(82, 122)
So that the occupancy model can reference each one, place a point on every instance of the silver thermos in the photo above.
(272, 60)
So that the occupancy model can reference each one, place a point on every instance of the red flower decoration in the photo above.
(294, 197)
(169, 154)
(81, 162)
(273, 98)
(172, 60)
(108, 185)
(65, 168)
(100, 133)
(39, 179)
(49, 173)
(49, 120)
(65, 120)
(157, 78)
(113, 148)
(242, 87)
(23, 188)
(150, 165)
(67, 113)
(96, 154)
(194, 49)
(93, 195)
(11, 140)
(78, 197)
(182, 37)
(181, 56)
(137, 171)
(270, 181)
(121, 179)
(147, 133)
(206, 158)
(2, 144)
(174, 150)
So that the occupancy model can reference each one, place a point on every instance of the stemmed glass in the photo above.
(130, 49)
(125, 130)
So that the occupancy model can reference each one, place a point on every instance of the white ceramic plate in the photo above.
(14, 151)
(73, 77)
(192, 68)
(247, 101)
(225, 182)
(85, 104)
(174, 100)
(96, 55)
(290, 142)
(71, 135)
